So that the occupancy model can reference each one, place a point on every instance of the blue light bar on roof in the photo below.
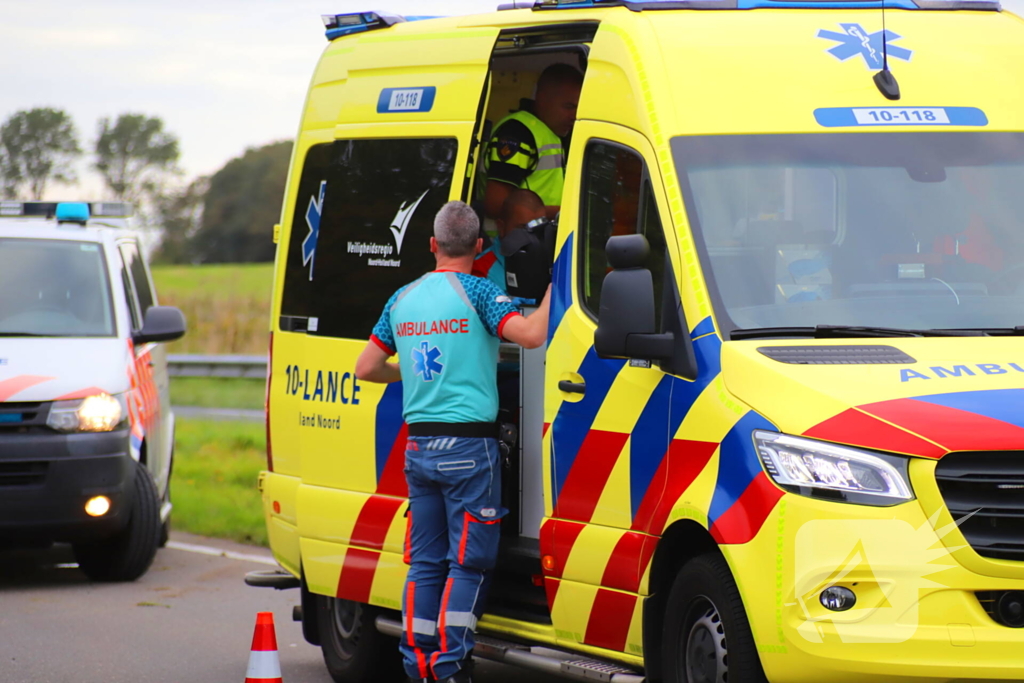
(339, 25)
(72, 212)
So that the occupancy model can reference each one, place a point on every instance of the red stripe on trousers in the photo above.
(392, 479)
(860, 429)
(589, 475)
(442, 625)
(357, 572)
(957, 430)
(610, 618)
(629, 561)
(685, 461)
(557, 538)
(741, 522)
(374, 521)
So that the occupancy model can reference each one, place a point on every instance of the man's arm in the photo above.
(373, 365)
(529, 331)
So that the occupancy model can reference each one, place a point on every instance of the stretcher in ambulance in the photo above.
(776, 431)
(86, 428)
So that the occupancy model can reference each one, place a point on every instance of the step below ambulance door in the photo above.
(392, 148)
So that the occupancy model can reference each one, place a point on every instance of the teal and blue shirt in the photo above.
(445, 328)
(491, 264)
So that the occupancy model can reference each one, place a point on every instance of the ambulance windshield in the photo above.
(918, 231)
(53, 288)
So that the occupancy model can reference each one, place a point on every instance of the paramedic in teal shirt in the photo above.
(445, 328)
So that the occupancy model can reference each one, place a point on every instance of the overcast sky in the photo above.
(224, 75)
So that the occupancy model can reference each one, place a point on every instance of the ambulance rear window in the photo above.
(54, 288)
(361, 229)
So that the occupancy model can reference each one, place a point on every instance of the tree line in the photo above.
(223, 218)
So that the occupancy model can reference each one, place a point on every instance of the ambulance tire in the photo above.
(707, 637)
(127, 555)
(354, 650)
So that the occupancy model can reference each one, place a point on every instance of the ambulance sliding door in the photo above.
(610, 419)
(404, 114)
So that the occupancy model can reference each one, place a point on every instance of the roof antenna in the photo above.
(884, 79)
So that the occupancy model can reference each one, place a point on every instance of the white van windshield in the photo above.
(54, 288)
(918, 231)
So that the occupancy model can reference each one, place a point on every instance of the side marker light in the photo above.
(548, 563)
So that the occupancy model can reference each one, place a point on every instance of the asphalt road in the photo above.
(189, 619)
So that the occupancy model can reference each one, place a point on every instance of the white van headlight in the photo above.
(99, 413)
(822, 470)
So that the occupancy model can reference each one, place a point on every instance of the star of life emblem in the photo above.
(855, 40)
(424, 361)
(313, 215)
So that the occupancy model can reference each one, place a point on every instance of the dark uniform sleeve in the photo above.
(511, 154)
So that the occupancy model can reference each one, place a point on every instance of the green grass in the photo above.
(228, 280)
(227, 306)
(214, 483)
(218, 392)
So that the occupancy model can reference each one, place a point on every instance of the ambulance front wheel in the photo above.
(354, 650)
(707, 635)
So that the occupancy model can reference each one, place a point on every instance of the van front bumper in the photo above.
(46, 478)
(919, 615)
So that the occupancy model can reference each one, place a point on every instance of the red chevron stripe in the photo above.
(856, 428)
(957, 430)
(557, 538)
(392, 479)
(14, 385)
(374, 521)
(685, 461)
(357, 572)
(629, 561)
(741, 522)
(551, 589)
(589, 475)
(610, 618)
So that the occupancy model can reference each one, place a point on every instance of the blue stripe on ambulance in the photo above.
(561, 287)
(389, 424)
(738, 464)
(999, 404)
(574, 420)
(669, 404)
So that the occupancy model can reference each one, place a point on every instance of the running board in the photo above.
(568, 666)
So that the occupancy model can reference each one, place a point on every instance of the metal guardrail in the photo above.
(251, 367)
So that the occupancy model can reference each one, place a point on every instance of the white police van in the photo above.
(86, 429)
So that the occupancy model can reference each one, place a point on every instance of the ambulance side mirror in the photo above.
(161, 324)
(626, 322)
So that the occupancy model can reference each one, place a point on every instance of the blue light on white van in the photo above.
(72, 212)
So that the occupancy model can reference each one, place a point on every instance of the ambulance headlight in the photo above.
(99, 413)
(822, 470)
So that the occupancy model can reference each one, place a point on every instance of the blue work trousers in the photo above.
(454, 528)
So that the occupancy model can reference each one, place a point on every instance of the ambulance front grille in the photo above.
(22, 416)
(985, 495)
(22, 473)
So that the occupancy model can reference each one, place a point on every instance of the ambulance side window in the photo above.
(137, 282)
(617, 200)
(361, 229)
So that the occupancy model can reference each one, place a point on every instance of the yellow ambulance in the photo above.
(777, 430)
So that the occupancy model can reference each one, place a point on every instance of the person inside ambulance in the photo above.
(521, 207)
(445, 328)
(527, 149)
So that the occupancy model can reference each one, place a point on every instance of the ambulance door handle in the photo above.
(572, 387)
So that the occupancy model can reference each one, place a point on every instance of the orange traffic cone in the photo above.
(264, 666)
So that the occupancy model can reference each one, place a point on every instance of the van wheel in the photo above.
(354, 650)
(127, 555)
(707, 635)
